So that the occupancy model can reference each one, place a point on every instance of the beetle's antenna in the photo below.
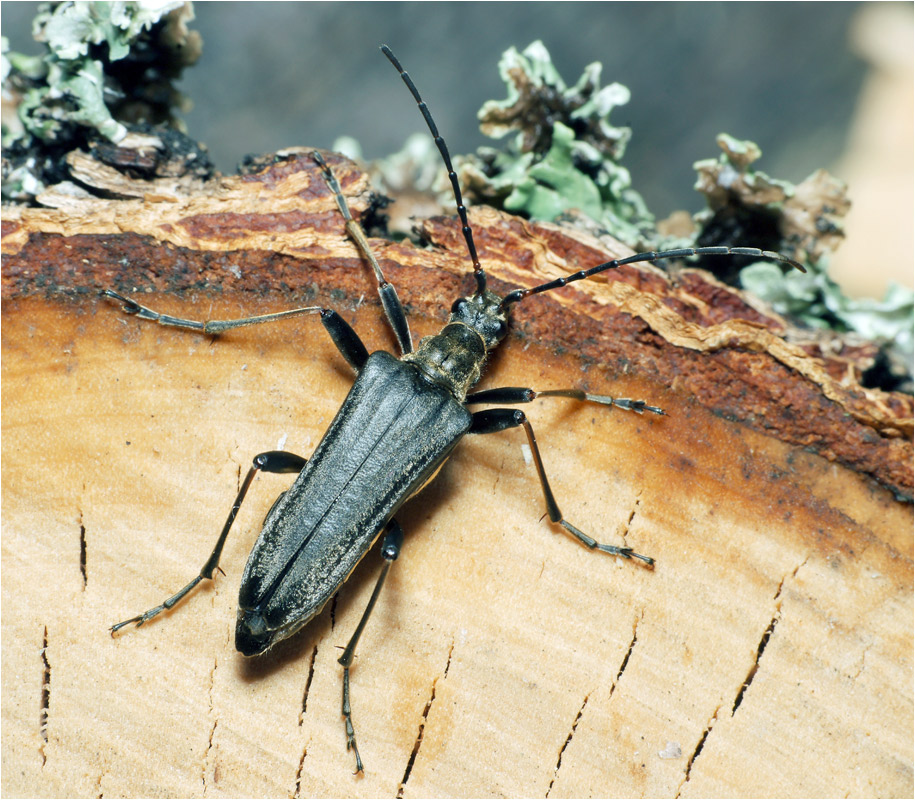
(753, 252)
(478, 272)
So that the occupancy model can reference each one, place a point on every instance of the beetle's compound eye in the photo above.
(458, 305)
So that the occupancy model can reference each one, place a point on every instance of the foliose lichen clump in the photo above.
(108, 69)
(563, 153)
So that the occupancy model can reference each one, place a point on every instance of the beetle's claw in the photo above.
(351, 745)
(118, 625)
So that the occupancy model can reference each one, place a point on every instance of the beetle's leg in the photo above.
(511, 395)
(393, 308)
(273, 461)
(390, 549)
(500, 419)
(347, 340)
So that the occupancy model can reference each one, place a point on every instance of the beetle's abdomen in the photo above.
(392, 432)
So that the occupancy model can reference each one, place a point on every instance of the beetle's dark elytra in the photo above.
(314, 537)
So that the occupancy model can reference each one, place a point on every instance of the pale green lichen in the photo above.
(106, 66)
(818, 301)
(70, 28)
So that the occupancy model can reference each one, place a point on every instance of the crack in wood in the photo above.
(635, 638)
(82, 551)
(632, 511)
(417, 743)
(308, 680)
(751, 674)
(298, 774)
(566, 744)
(297, 792)
(763, 642)
(627, 526)
(206, 756)
(794, 572)
(698, 749)
(43, 718)
(625, 662)
(764, 639)
(448, 665)
(422, 727)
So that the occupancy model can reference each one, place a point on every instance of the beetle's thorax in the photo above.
(454, 357)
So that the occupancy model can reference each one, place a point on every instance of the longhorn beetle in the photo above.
(398, 425)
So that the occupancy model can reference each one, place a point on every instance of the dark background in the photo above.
(279, 74)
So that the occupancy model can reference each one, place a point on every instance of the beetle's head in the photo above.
(484, 313)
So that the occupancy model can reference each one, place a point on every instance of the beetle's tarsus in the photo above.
(611, 549)
(348, 723)
(351, 745)
(132, 307)
(172, 601)
(638, 406)
(625, 552)
(140, 620)
(629, 553)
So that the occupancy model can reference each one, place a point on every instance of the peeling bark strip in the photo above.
(277, 232)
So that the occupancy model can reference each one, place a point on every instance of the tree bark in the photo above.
(769, 652)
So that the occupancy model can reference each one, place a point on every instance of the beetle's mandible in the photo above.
(401, 420)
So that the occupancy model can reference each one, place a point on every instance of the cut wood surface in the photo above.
(768, 653)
